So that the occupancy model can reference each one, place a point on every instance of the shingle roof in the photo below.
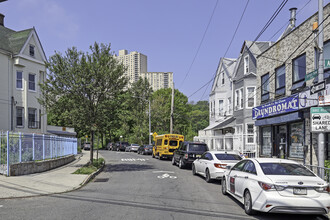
(13, 41)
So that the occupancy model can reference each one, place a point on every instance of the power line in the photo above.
(280, 7)
(200, 44)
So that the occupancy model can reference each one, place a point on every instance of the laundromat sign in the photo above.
(288, 104)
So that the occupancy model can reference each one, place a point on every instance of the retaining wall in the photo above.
(30, 167)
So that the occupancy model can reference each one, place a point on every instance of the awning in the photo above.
(280, 119)
(211, 126)
(63, 133)
(229, 122)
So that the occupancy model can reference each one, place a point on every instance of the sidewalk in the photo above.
(54, 181)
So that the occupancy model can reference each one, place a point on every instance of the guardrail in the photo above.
(322, 172)
(23, 147)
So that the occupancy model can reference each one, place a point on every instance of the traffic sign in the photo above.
(311, 75)
(326, 63)
(320, 119)
(317, 87)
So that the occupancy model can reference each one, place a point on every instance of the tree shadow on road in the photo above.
(127, 167)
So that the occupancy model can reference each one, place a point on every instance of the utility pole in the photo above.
(172, 107)
(321, 78)
(149, 123)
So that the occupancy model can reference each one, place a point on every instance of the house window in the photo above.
(19, 117)
(250, 97)
(229, 105)
(241, 98)
(32, 82)
(265, 87)
(223, 78)
(246, 65)
(32, 118)
(236, 99)
(31, 50)
(19, 80)
(280, 80)
(250, 133)
(220, 107)
(299, 68)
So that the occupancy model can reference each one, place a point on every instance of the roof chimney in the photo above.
(293, 16)
(292, 24)
(2, 19)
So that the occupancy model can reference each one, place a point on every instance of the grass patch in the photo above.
(90, 168)
(327, 163)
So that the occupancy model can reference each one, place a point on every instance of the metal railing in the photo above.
(23, 147)
(322, 172)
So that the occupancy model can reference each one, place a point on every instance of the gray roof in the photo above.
(13, 41)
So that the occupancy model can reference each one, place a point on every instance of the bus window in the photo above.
(173, 143)
(166, 142)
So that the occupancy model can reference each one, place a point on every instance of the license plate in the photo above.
(300, 191)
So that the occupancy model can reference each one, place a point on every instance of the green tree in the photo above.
(161, 110)
(80, 87)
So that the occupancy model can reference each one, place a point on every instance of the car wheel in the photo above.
(181, 163)
(223, 186)
(248, 203)
(207, 176)
(193, 169)
(173, 161)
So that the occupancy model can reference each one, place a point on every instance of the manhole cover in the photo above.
(101, 180)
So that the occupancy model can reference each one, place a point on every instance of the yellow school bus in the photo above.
(165, 145)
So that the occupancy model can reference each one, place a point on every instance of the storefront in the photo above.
(282, 128)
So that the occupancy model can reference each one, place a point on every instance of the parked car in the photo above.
(276, 186)
(188, 152)
(145, 149)
(128, 148)
(122, 146)
(87, 146)
(212, 164)
(115, 146)
(134, 147)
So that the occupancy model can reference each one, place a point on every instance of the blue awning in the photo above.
(280, 119)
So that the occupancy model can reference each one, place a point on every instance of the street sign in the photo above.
(311, 75)
(324, 100)
(320, 119)
(317, 87)
(326, 63)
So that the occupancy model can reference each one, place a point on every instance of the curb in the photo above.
(91, 176)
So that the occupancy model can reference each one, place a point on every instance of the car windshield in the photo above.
(197, 147)
(228, 156)
(173, 143)
(285, 169)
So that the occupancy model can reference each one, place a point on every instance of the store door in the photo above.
(280, 146)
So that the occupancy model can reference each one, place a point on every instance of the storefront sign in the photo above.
(307, 100)
(326, 63)
(320, 119)
(324, 100)
(281, 106)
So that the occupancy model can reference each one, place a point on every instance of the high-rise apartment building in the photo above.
(135, 62)
(159, 80)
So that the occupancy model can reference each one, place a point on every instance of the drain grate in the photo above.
(101, 180)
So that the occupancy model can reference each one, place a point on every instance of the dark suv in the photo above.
(188, 152)
(122, 146)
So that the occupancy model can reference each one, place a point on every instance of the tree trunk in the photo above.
(92, 148)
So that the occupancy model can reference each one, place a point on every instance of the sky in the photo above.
(186, 37)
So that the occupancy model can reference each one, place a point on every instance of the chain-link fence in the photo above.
(21, 147)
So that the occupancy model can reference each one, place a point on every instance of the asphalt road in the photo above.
(136, 186)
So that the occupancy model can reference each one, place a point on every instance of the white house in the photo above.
(22, 66)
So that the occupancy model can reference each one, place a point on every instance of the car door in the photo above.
(234, 177)
(203, 162)
(209, 162)
(198, 163)
(247, 174)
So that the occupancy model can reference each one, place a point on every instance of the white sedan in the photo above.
(212, 164)
(276, 186)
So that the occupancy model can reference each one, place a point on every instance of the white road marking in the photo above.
(165, 175)
(133, 159)
(162, 171)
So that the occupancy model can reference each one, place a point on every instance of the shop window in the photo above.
(265, 87)
(266, 141)
(280, 80)
(296, 148)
